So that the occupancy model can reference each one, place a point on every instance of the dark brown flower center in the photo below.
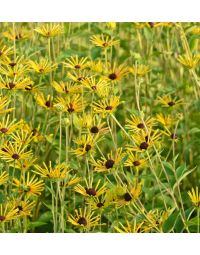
(20, 208)
(105, 44)
(112, 76)
(151, 24)
(34, 131)
(94, 130)
(19, 36)
(82, 221)
(91, 191)
(108, 108)
(15, 156)
(136, 163)
(2, 218)
(144, 146)
(140, 125)
(94, 87)
(12, 64)
(41, 70)
(88, 147)
(127, 197)
(4, 130)
(11, 85)
(77, 66)
(70, 109)
(99, 205)
(173, 136)
(109, 163)
(81, 78)
(66, 91)
(1, 53)
(48, 103)
(171, 103)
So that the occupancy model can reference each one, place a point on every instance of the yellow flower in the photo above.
(8, 212)
(194, 195)
(5, 51)
(50, 30)
(96, 86)
(103, 41)
(43, 66)
(168, 101)
(188, 61)
(58, 172)
(112, 161)
(47, 103)
(165, 120)
(3, 177)
(86, 144)
(196, 31)
(84, 218)
(139, 70)
(7, 127)
(90, 190)
(14, 84)
(72, 104)
(14, 152)
(4, 102)
(135, 161)
(76, 63)
(138, 125)
(66, 87)
(17, 35)
(22, 138)
(115, 73)
(24, 207)
(29, 186)
(99, 203)
(111, 25)
(130, 227)
(25, 164)
(145, 141)
(106, 106)
(78, 76)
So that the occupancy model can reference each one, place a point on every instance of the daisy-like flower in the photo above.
(165, 120)
(17, 35)
(8, 212)
(7, 127)
(42, 67)
(5, 51)
(46, 103)
(96, 86)
(13, 152)
(22, 138)
(145, 141)
(34, 132)
(58, 172)
(3, 177)
(16, 71)
(196, 31)
(168, 101)
(83, 121)
(111, 161)
(115, 73)
(111, 25)
(99, 203)
(106, 105)
(90, 190)
(78, 76)
(103, 41)
(72, 104)
(194, 195)
(4, 102)
(135, 161)
(155, 219)
(139, 70)
(25, 164)
(29, 186)
(66, 87)
(76, 63)
(188, 61)
(138, 125)
(130, 227)
(85, 145)
(84, 219)
(24, 207)
(124, 195)
(96, 66)
(50, 30)
(14, 84)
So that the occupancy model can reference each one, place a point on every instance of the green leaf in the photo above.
(180, 171)
(169, 224)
